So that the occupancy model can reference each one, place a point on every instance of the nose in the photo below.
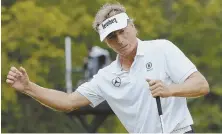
(119, 38)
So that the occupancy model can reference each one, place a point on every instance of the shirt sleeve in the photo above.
(177, 65)
(91, 91)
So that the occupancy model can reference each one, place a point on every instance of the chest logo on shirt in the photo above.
(149, 66)
(116, 82)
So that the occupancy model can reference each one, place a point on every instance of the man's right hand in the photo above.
(18, 79)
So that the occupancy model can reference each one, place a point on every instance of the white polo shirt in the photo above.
(128, 93)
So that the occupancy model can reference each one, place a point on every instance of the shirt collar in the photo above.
(140, 50)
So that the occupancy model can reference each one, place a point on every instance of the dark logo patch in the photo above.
(149, 66)
(109, 23)
(116, 82)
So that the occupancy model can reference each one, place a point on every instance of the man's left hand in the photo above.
(158, 88)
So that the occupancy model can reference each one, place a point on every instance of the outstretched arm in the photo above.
(58, 100)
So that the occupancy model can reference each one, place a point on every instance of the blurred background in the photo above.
(33, 35)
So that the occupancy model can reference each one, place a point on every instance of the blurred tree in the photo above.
(33, 34)
(195, 27)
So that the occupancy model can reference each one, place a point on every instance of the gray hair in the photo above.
(106, 11)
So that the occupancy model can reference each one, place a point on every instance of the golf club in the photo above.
(158, 102)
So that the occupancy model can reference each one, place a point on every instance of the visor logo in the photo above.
(109, 22)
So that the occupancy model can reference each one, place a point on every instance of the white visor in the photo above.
(111, 24)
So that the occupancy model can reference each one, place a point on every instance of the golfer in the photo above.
(142, 71)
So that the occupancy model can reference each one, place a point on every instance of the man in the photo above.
(142, 71)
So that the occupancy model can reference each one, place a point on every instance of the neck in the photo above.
(129, 57)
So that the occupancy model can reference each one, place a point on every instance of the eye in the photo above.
(111, 36)
(121, 31)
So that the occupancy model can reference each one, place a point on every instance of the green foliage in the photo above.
(33, 33)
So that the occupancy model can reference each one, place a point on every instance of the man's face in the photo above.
(123, 41)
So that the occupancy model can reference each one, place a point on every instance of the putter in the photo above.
(160, 112)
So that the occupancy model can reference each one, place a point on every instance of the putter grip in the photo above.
(159, 105)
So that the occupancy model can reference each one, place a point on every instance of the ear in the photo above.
(134, 29)
(131, 24)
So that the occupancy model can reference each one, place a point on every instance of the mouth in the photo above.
(123, 47)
